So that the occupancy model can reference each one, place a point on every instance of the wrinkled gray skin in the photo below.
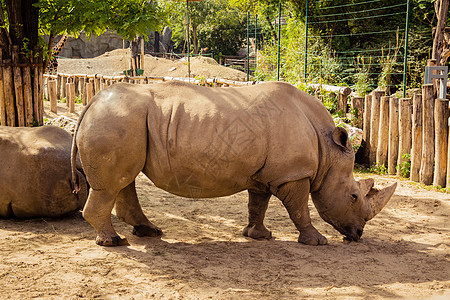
(269, 139)
(35, 173)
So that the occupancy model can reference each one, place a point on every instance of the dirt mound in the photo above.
(115, 62)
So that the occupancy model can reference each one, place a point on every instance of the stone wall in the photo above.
(82, 47)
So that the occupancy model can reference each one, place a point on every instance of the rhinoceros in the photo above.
(35, 173)
(200, 142)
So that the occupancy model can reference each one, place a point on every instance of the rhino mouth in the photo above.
(351, 233)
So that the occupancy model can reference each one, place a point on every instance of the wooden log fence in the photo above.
(21, 94)
(418, 127)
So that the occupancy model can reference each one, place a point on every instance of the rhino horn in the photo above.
(377, 199)
(365, 185)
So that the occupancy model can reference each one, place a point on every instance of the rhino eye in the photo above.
(354, 198)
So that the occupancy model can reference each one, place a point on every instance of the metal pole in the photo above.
(256, 41)
(306, 41)
(405, 60)
(248, 46)
(188, 41)
(279, 40)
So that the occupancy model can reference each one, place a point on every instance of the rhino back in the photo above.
(35, 173)
(211, 142)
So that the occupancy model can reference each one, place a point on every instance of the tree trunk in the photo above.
(21, 66)
(441, 8)
(194, 38)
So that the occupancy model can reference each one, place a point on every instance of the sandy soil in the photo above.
(404, 252)
(114, 62)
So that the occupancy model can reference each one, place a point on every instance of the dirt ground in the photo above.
(404, 252)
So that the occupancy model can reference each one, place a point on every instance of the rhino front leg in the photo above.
(129, 210)
(294, 196)
(257, 206)
(97, 212)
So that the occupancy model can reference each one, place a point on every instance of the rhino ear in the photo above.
(340, 137)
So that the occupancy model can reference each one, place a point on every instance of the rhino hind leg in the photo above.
(257, 206)
(295, 196)
(100, 219)
(129, 210)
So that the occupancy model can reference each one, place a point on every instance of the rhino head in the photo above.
(342, 201)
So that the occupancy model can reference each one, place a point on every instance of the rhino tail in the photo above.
(74, 152)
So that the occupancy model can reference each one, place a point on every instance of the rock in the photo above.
(66, 123)
(355, 134)
(166, 39)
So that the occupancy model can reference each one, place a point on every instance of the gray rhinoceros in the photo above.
(269, 139)
(35, 173)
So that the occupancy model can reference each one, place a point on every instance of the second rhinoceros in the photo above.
(269, 139)
(35, 173)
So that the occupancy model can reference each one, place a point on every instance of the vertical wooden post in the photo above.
(383, 132)
(38, 94)
(404, 124)
(358, 110)
(448, 160)
(58, 86)
(71, 96)
(76, 80)
(342, 102)
(416, 149)
(64, 81)
(96, 84)
(3, 120)
(51, 85)
(366, 118)
(393, 135)
(82, 84)
(89, 90)
(8, 86)
(28, 95)
(426, 167)
(441, 115)
(374, 125)
(18, 87)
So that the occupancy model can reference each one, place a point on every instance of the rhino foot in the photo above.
(111, 241)
(311, 236)
(144, 230)
(257, 232)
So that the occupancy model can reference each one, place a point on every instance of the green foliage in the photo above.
(214, 24)
(378, 169)
(405, 167)
(363, 81)
(127, 17)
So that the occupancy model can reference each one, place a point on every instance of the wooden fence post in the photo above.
(51, 86)
(3, 120)
(64, 81)
(89, 90)
(404, 125)
(426, 167)
(416, 149)
(358, 111)
(393, 136)
(82, 84)
(71, 96)
(383, 132)
(374, 125)
(96, 84)
(58, 86)
(18, 87)
(441, 115)
(28, 95)
(8, 86)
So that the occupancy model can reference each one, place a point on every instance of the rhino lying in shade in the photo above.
(269, 139)
(35, 173)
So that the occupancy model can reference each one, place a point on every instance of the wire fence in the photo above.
(379, 54)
